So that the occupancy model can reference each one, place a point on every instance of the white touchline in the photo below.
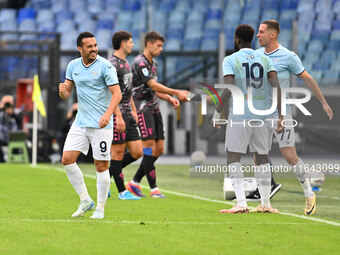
(214, 200)
(165, 222)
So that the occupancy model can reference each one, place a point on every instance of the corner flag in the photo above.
(36, 96)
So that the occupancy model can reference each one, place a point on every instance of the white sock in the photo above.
(135, 183)
(303, 177)
(154, 189)
(265, 183)
(122, 193)
(237, 180)
(257, 178)
(103, 186)
(76, 178)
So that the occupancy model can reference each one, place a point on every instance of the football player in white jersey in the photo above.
(98, 96)
(254, 74)
(287, 63)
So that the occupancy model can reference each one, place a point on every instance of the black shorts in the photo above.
(151, 125)
(131, 132)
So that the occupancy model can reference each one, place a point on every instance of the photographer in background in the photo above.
(7, 124)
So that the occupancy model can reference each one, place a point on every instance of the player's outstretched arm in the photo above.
(182, 95)
(173, 101)
(115, 99)
(314, 87)
(274, 82)
(65, 89)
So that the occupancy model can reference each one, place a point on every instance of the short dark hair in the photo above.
(152, 37)
(272, 24)
(83, 35)
(118, 37)
(245, 33)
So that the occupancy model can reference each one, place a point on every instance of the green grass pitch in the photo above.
(36, 206)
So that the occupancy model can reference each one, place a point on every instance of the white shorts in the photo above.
(238, 137)
(287, 137)
(79, 139)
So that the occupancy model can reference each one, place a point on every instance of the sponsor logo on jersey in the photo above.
(145, 71)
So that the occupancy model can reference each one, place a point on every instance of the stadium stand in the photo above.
(188, 25)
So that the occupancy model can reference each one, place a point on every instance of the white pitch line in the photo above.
(164, 222)
(311, 218)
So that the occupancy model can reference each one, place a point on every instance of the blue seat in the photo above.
(27, 25)
(336, 7)
(64, 15)
(315, 46)
(214, 14)
(176, 25)
(26, 13)
(193, 33)
(192, 44)
(80, 17)
(131, 5)
(177, 17)
(87, 25)
(173, 45)
(65, 25)
(288, 15)
(175, 34)
(289, 4)
(39, 4)
(57, 6)
(46, 27)
(77, 6)
(286, 24)
(320, 34)
(194, 16)
(7, 15)
(105, 24)
(213, 24)
(96, 7)
(209, 44)
(305, 6)
(330, 77)
(311, 57)
(321, 66)
(336, 66)
(160, 28)
(167, 5)
(336, 24)
(316, 74)
(271, 4)
(335, 35)
(44, 15)
(333, 45)
(269, 14)
(211, 34)
(328, 54)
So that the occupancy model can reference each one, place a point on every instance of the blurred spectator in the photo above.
(17, 113)
(7, 124)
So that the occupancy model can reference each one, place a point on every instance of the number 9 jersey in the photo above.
(250, 69)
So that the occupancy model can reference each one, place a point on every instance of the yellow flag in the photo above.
(36, 96)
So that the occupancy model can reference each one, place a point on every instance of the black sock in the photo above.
(116, 171)
(128, 159)
(149, 169)
(139, 174)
